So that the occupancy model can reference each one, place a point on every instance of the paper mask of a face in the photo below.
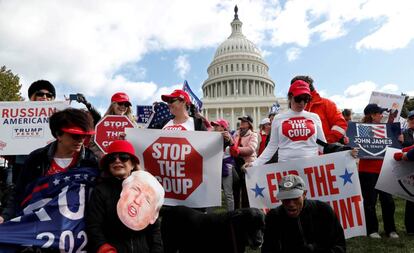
(141, 199)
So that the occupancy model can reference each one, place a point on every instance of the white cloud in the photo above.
(357, 96)
(182, 65)
(84, 46)
(293, 53)
(395, 31)
(298, 20)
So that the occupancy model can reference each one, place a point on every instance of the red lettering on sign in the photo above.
(348, 210)
(176, 165)
(321, 176)
(298, 128)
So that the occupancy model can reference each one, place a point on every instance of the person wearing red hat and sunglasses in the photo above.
(71, 127)
(123, 210)
(185, 118)
(120, 105)
(295, 132)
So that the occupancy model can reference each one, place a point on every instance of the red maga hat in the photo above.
(299, 87)
(120, 97)
(177, 94)
(119, 146)
(220, 122)
(77, 130)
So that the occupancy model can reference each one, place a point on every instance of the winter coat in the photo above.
(103, 225)
(247, 145)
(36, 165)
(316, 227)
(333, 122)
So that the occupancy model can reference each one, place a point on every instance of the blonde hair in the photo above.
(129, 114)
(147, 178)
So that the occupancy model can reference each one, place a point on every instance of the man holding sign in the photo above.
(299, 224)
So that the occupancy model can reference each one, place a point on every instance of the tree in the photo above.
(9, 85)
(408, 105)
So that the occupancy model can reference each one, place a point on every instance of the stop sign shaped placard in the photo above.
(176, 164)
(109, 129)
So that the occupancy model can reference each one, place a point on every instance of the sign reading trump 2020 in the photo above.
(25, 125)
(332, 178)
(186, 163)
(52, 213)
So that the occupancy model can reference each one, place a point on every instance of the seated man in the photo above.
(301, 225)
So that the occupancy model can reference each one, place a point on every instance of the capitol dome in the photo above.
(238, 82)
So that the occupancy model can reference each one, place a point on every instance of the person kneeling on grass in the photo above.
(301, 225)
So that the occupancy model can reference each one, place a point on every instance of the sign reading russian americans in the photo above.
(332, 178)
(25, 125)
(186, 163)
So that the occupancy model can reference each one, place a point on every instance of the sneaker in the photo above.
(376, 235)
(393, 235)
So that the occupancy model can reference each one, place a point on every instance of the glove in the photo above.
(398, 156)
(107, 248)
(406, 149)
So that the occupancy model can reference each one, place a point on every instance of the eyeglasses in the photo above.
(171, 101)
(123, 157)
(78, 137)
(126, 104)
(299, 99)
(42, 94)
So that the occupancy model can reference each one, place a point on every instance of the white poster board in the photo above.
(186, 163)
(392, 102)
(331, 178)
(396, 177)
(25, 125)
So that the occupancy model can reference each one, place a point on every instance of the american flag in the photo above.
(194, 99)
(372, 130)
(161, 113)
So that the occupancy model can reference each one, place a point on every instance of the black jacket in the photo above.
(317, 229)
(103, 225)
(36, 165)
(408, 137)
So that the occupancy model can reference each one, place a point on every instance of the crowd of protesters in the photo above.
(243, 148)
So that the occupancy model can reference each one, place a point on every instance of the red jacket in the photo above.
(333, 123)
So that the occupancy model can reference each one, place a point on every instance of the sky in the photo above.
(148, 48)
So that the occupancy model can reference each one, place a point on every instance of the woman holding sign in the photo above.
(179, 103)
(369, 170)
(123, 210)
(295, 132)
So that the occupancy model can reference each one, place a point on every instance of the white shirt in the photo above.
(295, 135)
(188, 125)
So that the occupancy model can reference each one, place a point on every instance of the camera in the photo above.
(73, 97)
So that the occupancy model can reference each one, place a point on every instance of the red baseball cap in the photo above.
(77, 130)
(177, 94)
(299, 87)
(120, 97)
(221, 122)
(119, 146)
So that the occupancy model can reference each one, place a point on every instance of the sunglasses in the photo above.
(123, 157)
(299, 99)
(126, 104)
(78, 137)
(172, 101)
(42, 94)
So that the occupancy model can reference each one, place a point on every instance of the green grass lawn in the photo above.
(364, 244)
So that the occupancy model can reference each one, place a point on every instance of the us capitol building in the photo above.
(238, 82)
